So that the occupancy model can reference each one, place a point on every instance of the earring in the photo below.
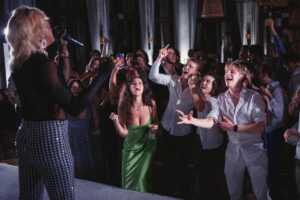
(43, 44)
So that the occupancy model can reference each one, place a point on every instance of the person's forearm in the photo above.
(257, 127)
(64, 62)
(203, 123)
(77, 104)
(155, 76)
(113, 83)
(273, 31)
(154, 72)
(121, 130)
(278, 45)
(104, 50)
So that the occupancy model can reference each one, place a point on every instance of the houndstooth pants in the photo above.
(45, 156)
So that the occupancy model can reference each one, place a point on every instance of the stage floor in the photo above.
(9, 189)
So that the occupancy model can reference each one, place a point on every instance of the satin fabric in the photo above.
(137, 154)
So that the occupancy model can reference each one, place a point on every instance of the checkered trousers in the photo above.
(45, 157)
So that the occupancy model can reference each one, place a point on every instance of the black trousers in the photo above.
(210, 172)
(176, 149)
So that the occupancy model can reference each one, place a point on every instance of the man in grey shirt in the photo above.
(210, 152)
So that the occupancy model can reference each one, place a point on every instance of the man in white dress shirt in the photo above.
(175, 137)
(242, 114)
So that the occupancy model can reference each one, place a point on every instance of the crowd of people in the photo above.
(106, 124)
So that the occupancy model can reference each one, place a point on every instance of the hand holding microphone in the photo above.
(57, 32)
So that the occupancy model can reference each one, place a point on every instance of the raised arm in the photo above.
(154, 74)
(104, 54)
(278, 44)
(278, 101)
(197, 98)
(64, 62)
(113, 88)
(59, 91)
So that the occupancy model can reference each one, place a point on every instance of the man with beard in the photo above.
(170, 65)
(175, 137)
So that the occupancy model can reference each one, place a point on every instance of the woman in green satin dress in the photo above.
(137, 122)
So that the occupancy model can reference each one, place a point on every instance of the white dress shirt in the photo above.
(214, 137)
(178, 99)
(250, 109)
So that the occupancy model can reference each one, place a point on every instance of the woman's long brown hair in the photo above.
(124, 109)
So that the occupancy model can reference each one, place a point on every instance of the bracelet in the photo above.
(64, 54)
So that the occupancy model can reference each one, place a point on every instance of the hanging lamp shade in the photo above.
(278, 3)
(212, 9)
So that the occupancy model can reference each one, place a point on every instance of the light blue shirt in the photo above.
(278, 107)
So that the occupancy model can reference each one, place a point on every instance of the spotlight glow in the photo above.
(5, 31)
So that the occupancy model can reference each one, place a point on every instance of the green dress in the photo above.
(137, 154)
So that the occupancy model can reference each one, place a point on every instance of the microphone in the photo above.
(70, 39)
(57, 31)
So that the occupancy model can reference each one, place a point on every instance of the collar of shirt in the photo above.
(178, 99)
(272, 85)
(242, 93)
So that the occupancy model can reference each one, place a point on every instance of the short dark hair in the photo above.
(76, 81)
(216, 77)
(268, 68)
(94, 59)
(95, 51)
(216, 82)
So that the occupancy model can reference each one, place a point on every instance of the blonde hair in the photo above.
(239, 66)
(25, 30)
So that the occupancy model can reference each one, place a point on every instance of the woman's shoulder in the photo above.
(40, 57)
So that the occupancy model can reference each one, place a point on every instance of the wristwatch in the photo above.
(235, 128)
